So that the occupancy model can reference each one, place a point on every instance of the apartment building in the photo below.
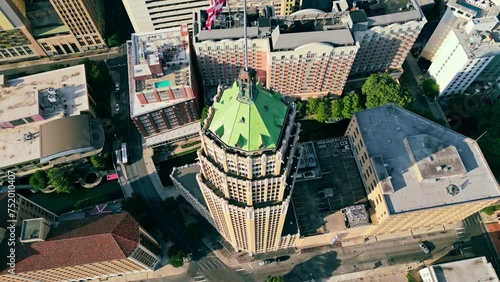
(147, 16)
(310, 57)
(163, 87)
(471, 45)
(46, 119)
(473, 269)
(16, 41)
(419, 176)
(281, 7)
(246, 166)
(385, 35)
(308, 53)
(93, 248)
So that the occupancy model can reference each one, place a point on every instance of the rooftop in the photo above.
(474, 269)
(186, 175)
(48, 95)
(289, 39)
(475, 8)
(34, 229)
(81, 241)
(479, 37)
(45, 141)
(44, 20)
(248, 117)
(388, 130)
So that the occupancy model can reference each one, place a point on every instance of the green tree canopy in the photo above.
(62, 179)
(430, 88)
(204, 114)
(276, 279)
(312, 106)
(113, 40)
(323, 110)
(336, 109)
(381, 89)
(301, 109)
(351, 104)
(101, 161)
(176, 256)
(39, 180)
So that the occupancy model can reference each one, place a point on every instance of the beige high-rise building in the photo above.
(419, 176)
(16, 41)
(249, 148)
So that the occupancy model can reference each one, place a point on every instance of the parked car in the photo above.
(458, 245)
(117, 86)
(117, 107)
(424, 248)
(282, 258)
(266, 261)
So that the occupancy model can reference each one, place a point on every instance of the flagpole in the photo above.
(245, 33)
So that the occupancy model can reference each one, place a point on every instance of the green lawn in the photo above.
(60, 203)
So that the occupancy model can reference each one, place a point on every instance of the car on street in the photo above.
(282, 258)
(117, 107)
(266, 261)
(458, 245)
(424, 248)
(117, 86)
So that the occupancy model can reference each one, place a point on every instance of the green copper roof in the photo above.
(249, 124)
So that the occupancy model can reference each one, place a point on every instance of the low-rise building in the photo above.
(419, 176)
(97, 248)
(474, 269)
(163, 88)
(46, 119)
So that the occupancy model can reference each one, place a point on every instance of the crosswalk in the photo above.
(209, 264)
(245, 276)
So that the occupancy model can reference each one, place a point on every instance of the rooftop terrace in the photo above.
(57, 93)
(465, 176)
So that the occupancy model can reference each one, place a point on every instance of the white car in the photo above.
(117, 107)
(424, 248)
(117, 86)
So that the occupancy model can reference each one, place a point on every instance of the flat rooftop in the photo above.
(13, 147)
(477, 9)
(319, 200)
(474, 269)
(186, 175)
(162, 55)
(479, 43)
(189, 129)
(58, 92)
(384, 130)
(44, 20)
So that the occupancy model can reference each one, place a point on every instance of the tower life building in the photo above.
(248, 159)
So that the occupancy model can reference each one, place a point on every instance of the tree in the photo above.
(204, 114)
(113, 40)
(276, 279)
(101, 161)
(409, 277)
(336, 109)
(351, 104)
(301, 109)
(322, 110)
(62, 179)
(380, 89)
(39, 180)
(312, 106)
(430, 88)
(176, 256)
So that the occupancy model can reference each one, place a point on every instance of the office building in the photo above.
(16, 41)
(46, 119)
(281, 7)
(93, 248)
(147, 16)
(309, 53)
(163, 88)
(246, 166)
(474, 269)
(458, 10)
(470, 46)
(419, 176)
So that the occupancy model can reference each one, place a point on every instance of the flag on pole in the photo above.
(214, 8)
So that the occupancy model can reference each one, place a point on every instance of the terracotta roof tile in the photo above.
(82, 241)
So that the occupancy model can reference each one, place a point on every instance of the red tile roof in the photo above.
(81, 241)
(494, 232)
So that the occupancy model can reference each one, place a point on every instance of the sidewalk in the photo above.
(386, 274)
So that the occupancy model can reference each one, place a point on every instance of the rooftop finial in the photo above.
(245, 33)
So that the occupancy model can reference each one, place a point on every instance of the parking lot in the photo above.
(335, 185)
